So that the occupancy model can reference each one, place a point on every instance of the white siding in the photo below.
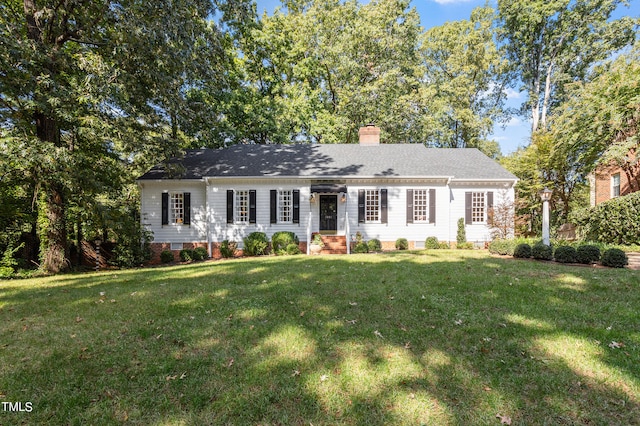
(151, 196)
(450, 206)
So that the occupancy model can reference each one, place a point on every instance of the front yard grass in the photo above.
(435, 337)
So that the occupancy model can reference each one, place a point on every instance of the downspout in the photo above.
(208, 217)
(449, 224)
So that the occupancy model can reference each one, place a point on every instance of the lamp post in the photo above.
(545, 196)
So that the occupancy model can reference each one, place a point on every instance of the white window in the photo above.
(478, 207)
(420, 205)
(242, 206)
(372, 205)
(285, 206)
(615, 185)
(176, 212)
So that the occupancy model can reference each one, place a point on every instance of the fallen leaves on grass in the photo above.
(378, 334)
(616, 345)
(504, 420)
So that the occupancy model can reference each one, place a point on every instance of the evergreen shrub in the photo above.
(587, 254)
(522, 251)
(256, 244)
(614, 258)
(374, 245)
(228, 249)
(281, 239)
(200, 253)
(542, 251)
(431, 243)
(361, 247)
(402, 244)
(166, 256)
(186, 255)
(565, 254)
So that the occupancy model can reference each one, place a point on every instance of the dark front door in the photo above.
(329, 213)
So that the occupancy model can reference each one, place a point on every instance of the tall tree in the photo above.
(320, 69)
(88, 86)
(468, 74)
(600, 123)
(553, 42)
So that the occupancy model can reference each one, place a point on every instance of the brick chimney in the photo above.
(369, 135)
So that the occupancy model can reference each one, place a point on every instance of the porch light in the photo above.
(545, 196)
(313, 198)
(343, 199)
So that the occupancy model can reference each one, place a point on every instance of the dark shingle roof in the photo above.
(332, 160)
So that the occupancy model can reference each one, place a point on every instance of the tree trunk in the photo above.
(55, 258)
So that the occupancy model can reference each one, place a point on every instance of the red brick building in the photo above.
(612, 181)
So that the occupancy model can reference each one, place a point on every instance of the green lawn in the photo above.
(440, 337)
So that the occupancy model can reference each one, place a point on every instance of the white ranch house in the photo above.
(383, 191)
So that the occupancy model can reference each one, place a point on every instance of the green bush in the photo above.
(402, 244)
(228, 249)
(6, 271)
(293, 248)
(588, 254)
(565, 254)
(281, 239)
(431, 243)
(200, 253)
(462, 246)
(186, 255)
(461, 236)
(542, 251)
(361, 247)
(522, 251)
(166, 256)
(616, 221)
(614, 258)
(256, 244)
(503, 247)
(133, 246)
(446, 246)
(374, 245)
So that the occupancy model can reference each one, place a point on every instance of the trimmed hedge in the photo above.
(200, 253)
(402, 244)
(614, 258)
(616, 221)
(431, 243)
(587, 254)
(565, 254)
(542, 251)
(166, 256)
(522, 251)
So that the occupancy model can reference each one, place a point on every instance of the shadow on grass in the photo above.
(410, 338)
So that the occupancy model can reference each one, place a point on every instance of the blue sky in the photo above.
(436, 12)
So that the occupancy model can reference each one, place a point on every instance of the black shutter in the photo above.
(165, 208)
(360, 205)
(467, 208)
(186, 199)
(273, 205)
(252, 206)
(230, 206)
(432, 206)
(409, 205)
(296, 206)
(383, 206)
